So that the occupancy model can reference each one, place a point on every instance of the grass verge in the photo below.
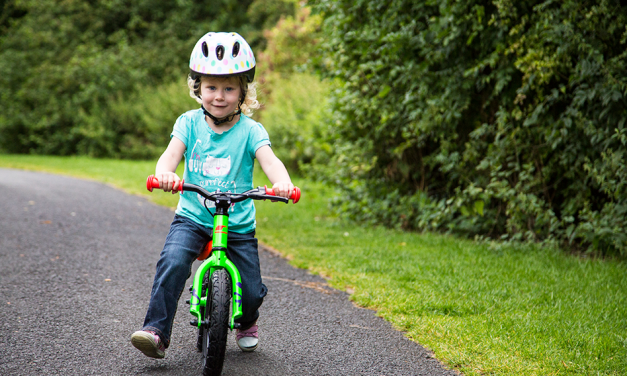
(482, 310)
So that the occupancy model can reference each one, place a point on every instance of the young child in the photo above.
(220, 142)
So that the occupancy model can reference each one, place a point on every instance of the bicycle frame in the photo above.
(216, 261)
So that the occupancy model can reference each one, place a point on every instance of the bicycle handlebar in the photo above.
(259, 193)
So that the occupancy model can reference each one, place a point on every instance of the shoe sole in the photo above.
(146, 343)
(248, 349)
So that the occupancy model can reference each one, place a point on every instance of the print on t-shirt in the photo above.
(216, 166)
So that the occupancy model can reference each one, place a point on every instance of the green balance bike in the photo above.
(216, 293)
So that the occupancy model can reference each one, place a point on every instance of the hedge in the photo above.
(494, 119)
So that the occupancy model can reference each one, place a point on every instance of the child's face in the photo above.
(220, 96)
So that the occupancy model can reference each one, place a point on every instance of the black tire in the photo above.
(215, 335)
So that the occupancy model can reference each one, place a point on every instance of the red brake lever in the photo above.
(294, 197)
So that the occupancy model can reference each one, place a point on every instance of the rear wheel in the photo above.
(216, 330)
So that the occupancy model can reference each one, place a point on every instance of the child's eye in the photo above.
(230, 88)
(211, 87)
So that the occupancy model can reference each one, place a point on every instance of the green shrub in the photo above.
(143, 124)
(294, 118)
(493, 118)
(70, 69)
(295, 100)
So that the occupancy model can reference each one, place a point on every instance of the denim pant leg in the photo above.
(182, 246)
(242, 250)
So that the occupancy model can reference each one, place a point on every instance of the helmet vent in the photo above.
(205, 49)
(220, 52)
(235, 49)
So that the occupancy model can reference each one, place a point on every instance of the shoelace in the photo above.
(250, 332)
(160, 344)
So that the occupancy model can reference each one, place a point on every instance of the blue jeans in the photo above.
(183, 244)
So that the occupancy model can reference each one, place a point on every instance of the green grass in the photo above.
(123, 174)
(502, 310)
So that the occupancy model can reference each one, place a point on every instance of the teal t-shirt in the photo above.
(219, 161)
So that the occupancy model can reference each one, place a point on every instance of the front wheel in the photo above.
(217, 315)
(202, 330)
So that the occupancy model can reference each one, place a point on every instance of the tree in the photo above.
(72, 73)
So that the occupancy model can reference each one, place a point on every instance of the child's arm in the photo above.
(167, 164)
(275, 171)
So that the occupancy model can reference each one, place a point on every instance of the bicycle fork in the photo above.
(216, 261)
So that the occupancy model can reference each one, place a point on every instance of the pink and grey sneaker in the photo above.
(248, 339)
(149, 343)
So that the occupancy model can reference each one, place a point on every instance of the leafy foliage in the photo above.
(296, 99)
(70, 70)
(503, 119)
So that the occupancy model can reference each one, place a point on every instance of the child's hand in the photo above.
(283, 188)
(168, 180)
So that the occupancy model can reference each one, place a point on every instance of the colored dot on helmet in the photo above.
(230, 70)
(219, 69)
(236, 67)
(213, 63)
(247, 65)
(226, 62)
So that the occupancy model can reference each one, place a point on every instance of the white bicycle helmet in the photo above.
(222, 54)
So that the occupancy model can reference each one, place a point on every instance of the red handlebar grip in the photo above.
(294, 197)
(152, 182)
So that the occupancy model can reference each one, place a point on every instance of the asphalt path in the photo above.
(77, 259)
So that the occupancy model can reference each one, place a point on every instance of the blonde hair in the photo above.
(250, 102)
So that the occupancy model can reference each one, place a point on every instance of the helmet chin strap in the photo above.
(226, 119)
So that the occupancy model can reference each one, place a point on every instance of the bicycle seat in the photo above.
(206, 252)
